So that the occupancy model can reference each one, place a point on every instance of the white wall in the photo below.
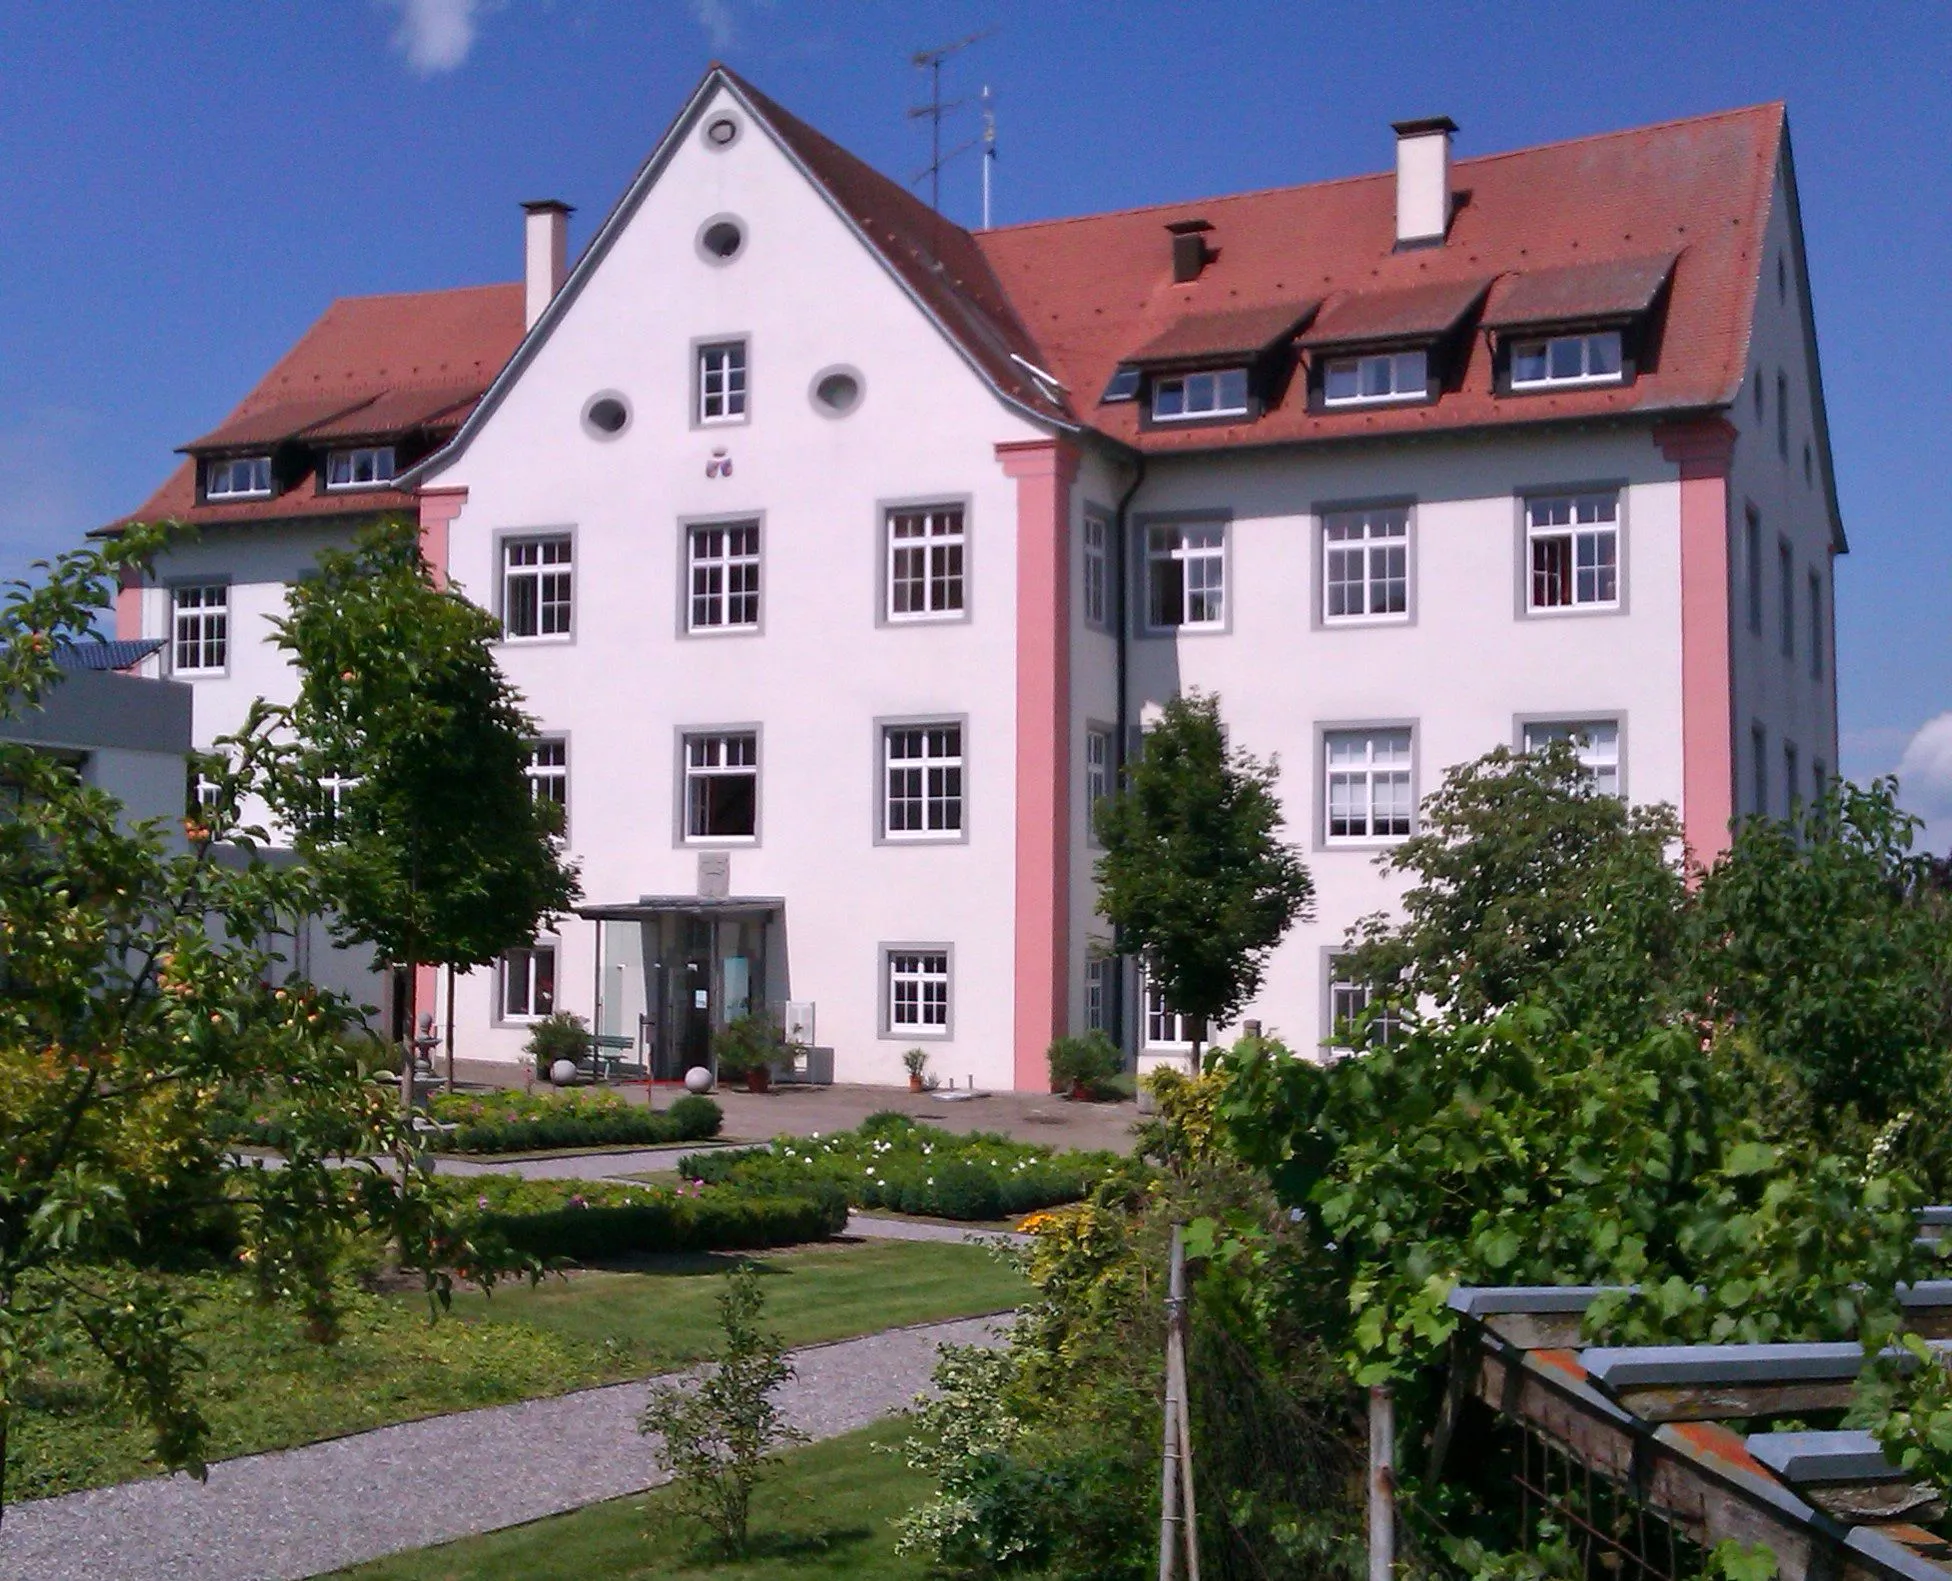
(1463, 668)
(807, 295)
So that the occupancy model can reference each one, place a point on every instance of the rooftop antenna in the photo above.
(989, 149)
(930, 60)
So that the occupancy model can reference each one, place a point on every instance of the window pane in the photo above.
(1342, 381)
(1603, 353)
(1565, 357)
(1233, 389)
(1169, 398)
(1528, 362)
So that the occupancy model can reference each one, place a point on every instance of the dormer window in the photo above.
(1381, 376)
(369, 467)
(1558, 360)
(237, 478)
(1123, 385)
(1215, 392)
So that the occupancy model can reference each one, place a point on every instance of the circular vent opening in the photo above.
(836, 391)
(722, 131)
(607, 416)
(722, 239)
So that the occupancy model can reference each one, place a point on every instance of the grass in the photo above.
(825, 1512)
(264, 1386)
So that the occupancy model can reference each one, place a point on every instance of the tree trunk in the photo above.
(450, 1028)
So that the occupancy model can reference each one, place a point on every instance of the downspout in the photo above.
(1121, 637)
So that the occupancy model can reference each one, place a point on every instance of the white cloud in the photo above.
(715, 17)
(1925, 771)
(435, 35)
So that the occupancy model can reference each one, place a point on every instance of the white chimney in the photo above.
(1423, 180)
(545, 254)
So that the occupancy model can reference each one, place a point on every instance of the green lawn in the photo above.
(824, 1513)
(266, 1387)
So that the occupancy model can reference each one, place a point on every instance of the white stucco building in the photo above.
(841, 553)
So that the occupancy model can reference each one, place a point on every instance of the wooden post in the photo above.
(1177, 1507)
(1382, 1483)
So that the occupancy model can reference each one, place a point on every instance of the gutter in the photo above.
(1121, 639)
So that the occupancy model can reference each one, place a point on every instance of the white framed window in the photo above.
(1366, 565)
(237, 478)
(1097, 776)
(369, 467)
(548, 771)
(722, 382)
(1567, 359)
(1348, 998)
(1097, 570)
(1596, 743)
(1381, 376)
(1368, 790)
(1100, 989)
(1186, 576)
(528, 983)
(204, 791)
(1572, 544)
(921, 780)
(722, 786)
(200, 629)
(332, 790)
(1165, 1027)
(724, 566)
(537, 587)
(926, 547)
(916, 983)
(1214, 392)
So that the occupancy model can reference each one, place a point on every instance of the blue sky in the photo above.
(186, 184)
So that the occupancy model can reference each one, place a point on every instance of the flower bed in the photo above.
(592, 1221)
(893, 1163)
(514, 1122)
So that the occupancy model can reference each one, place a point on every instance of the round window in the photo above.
(836, 391)
(722, 131)
(722, 239)
(607, 416)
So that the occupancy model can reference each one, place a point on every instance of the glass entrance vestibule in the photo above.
(671, 972)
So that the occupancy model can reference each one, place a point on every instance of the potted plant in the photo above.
(917, 1063)
(562, 1036)
(749, 1047)
(1082, 1068)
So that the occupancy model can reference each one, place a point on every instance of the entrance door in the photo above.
(696, 990)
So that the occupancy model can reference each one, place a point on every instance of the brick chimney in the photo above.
(545, 254)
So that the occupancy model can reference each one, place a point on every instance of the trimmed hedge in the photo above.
(595, 1221)
(894, 1164)
(514, 1122)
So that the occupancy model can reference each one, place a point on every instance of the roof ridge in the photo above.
(439, 290)
(1735, 112)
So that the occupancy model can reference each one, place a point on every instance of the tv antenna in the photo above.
(930, 60)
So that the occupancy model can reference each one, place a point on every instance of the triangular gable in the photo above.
(956, 291)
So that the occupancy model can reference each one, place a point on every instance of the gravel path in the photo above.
(872, 1228)
(300, 1512)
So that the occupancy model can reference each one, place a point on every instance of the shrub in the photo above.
(565, 1035)
(696, 1117)
(508, 1122)
(915, 1062)
(892, 1163)
(595, 1221)
(750, 1043)
(1090, 1061)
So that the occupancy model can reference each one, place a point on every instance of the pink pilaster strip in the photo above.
(1043, 470)
(1703, 449)
(438, 508)
(128, 605)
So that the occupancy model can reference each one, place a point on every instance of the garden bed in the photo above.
(892, 1164)
(516, 1122)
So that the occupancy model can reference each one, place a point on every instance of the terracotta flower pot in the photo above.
(914, 1083)
(759, 1079)
(1080, 1091)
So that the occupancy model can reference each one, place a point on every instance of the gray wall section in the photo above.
(91, 709)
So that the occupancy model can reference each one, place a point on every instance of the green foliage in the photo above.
(717, 1437)
(891, 1162)
(1184, 1133)
(752, 1042)
(437, 849)
(1906, 1399)
(143, 980)
(1194, 875)
(1520, 1151)
(509, 1122)
(696, 1117)
(1090, 1061)
(1516, 860)
(564, 1035)
(915, 1061)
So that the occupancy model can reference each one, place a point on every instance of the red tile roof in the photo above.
(1095, 290)
(371, 367)
(1407, 312)
(1616, 288)
(1241, 332)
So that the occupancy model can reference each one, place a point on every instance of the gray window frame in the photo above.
(1322, 511)
(1107, 733)
(699, 346)
(885, 952)
(687, 526)
(882, 726)
(1106, 522)
(884, 580)
(1616, 717)
(1140, 585)
(1622, 560)
(1370, 843)
(681, 798)
(507, 538)
(545, 941)
(176, 585)
(559, 738)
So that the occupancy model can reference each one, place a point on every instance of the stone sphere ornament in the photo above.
(698, 1079)
(563, 1072)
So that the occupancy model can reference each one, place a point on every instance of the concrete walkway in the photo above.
(301, 1512)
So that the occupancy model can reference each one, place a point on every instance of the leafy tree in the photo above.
(1194, 875)
(1528, 880)
(716, 1437)
(435, 851)
(142, 976)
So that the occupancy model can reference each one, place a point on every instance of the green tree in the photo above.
(716, 1437)
(142, 975)
(1194, 875)
(1530, 881)
(435, 850)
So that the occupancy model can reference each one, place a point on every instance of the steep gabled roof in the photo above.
(371, 367)
(1095, 290)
